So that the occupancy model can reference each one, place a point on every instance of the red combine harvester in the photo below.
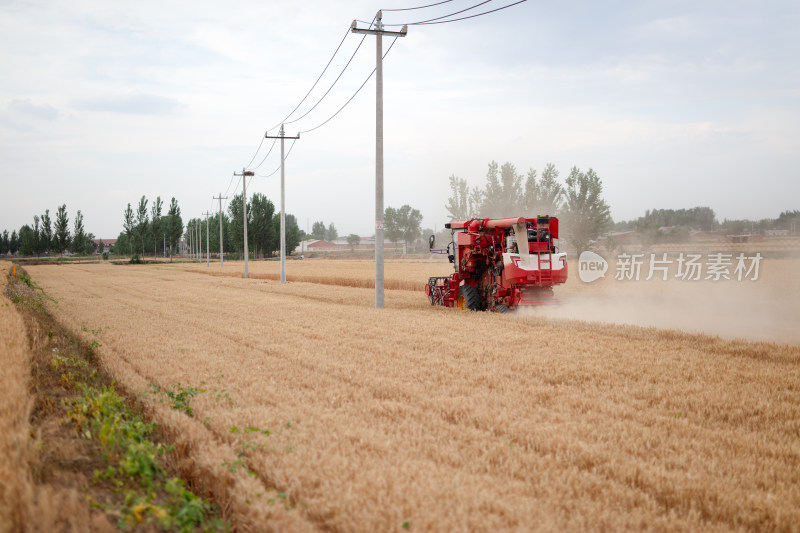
(492, 271)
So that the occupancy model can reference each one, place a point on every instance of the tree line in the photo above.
(47, 236)
(263, 228)
(578, 202)
(150, 231)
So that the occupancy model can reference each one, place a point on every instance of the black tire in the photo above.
(501, 309)
(468, 298)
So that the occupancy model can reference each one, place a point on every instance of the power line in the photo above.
(312, 87)
(418, 7)
(451, 14)
(279, 167)
(255, 154)
(354, 95)
(436, 21)
(334, 82)
(229, 183)
(265, 157)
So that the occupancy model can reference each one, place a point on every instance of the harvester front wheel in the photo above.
(501, 309)
(468, 298)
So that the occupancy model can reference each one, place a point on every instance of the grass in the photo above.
(444, 420)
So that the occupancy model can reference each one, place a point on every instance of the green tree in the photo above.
(78, 235)
(62, 236)
(391, 225)
(4, 243)
(587, 214)
(293, 231)
(353, 240)
(36, 241)
(26, 241)
(46, 233)
(318, 230)
(157, 232)
(261, 227)
(141, 224)
(410, 222)
(236, 225)
(174, 226)
(129, 225)
(13, 242)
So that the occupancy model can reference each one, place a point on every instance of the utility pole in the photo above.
(379, 32)
(282, 136)
(208, 246)
(220, 198)
(244, 175)
(198, 228)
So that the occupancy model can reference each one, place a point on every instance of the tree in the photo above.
(263, 234)
(13, 242)
(141, 223)
(293, 231)
(331, 234)
(46, 232)
(174, 226)
(4, 243)
(353, 240)
(36, 243)
(410, 223)
(502, 194)
(546, 196)
(587, 214)
(26, 244)
(458, 204)
(156, 230)
(62, 236)
(318, 230)
(391, 225)
(78, 235)
(236, 225)
(129, 225)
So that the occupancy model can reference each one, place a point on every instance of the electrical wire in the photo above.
(334, 81)
(233, 175)
(255, 154)
(266, 156)
(315, 83)
(451, 14)
(284, 159)
(437, 21)
(354, 95)
(418, 7)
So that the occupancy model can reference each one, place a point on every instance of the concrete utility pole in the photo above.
(198, 227)
(208, 246)
(244, 175)
(379, 32)
(282, 136)
(220, 198)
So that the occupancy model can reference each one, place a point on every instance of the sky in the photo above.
(674, 104)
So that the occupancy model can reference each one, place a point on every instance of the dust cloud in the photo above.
(767, 309)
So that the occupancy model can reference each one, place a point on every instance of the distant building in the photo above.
(107, 244)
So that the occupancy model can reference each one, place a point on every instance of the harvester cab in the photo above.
(500, 264)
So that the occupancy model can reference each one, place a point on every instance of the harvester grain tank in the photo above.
(500, 264)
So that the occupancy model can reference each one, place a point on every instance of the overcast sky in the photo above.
(674, 104)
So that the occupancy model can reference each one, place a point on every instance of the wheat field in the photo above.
(315, 411)
(16, 485)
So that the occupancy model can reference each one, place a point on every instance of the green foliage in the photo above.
(402, 224)
(62, 236)
(587, 214)
(103, 416)
(353, 240)
(318, 230)
(78, 235)
(179, 399)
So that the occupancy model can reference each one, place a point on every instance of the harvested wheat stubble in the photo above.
(445, 420)
(16, 485)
